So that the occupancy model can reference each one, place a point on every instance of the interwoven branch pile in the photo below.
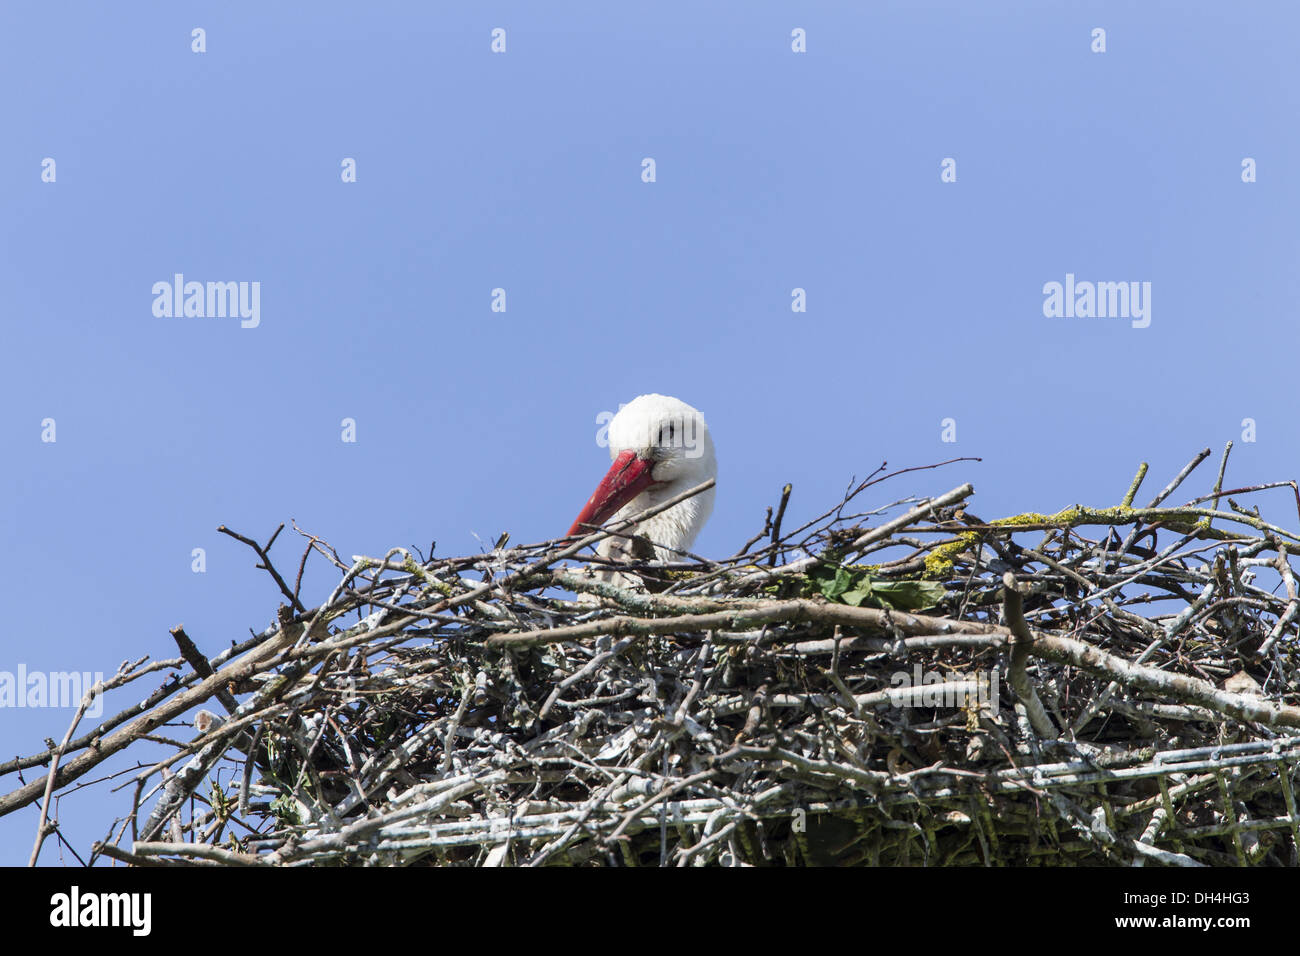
(905, 685)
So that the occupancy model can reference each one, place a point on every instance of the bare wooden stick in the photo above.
(1021, 646)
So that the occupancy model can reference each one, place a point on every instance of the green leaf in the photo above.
(908, 595)
(832, 582)
(860, 587)
(859, 594)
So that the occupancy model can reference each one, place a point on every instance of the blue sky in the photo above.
(522, 170)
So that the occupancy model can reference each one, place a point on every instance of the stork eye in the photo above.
(670, 433)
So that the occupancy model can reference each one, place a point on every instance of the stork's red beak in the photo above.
(626, 478)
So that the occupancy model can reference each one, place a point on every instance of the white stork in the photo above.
(660, 447)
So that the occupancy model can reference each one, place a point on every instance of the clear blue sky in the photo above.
(523, 171)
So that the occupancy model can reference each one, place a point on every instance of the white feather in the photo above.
(676, 436)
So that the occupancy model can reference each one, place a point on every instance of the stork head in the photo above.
(660, 447)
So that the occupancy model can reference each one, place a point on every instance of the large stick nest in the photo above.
(905, 685)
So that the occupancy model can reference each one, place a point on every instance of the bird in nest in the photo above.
(660, 446)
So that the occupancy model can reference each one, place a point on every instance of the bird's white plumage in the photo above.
(675, 436)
